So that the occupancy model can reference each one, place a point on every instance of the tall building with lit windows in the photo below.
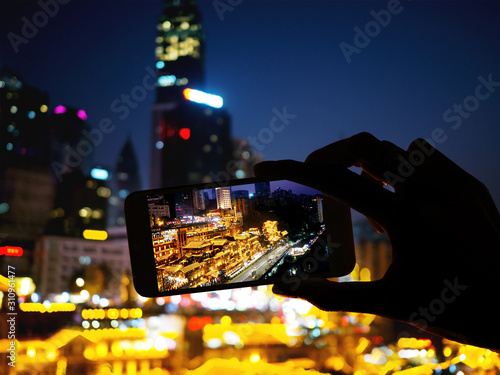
(191, 131)
(223, 195)
(26, 186)
(179, 49)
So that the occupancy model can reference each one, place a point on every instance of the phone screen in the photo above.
(221, 236)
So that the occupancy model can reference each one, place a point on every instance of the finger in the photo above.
(436, 167)
(363, 297)
(361, 150)
(336, 181)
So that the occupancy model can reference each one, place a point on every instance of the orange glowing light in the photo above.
(13, 251)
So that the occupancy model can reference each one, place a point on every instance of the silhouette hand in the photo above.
(442, 224)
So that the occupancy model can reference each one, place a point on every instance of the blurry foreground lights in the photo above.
(84, 294)
(35, 297)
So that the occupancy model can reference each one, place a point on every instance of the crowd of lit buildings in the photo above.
(228, 330)
(205, 251)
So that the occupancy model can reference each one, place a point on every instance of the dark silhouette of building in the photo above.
(80, 204)
(26, 187)
(124, 181)
(73, 142)
(25, 126)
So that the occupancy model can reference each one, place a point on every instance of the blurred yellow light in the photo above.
(43, 108)
(275, 320)
(447, 351)
(116, 349)
(365, 274)
(89, 353)
(31, 352)
(362, 345)
(124, 313)
(80, 282)
(102, 349)
(225, 320)
(51, 355)
(97, 235)
(113, 314)
(103, 192)
(85, 212)
(254, 358)
(47, 308)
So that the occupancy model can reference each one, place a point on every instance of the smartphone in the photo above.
(242, 233)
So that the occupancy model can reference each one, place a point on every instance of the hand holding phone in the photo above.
(249, 232)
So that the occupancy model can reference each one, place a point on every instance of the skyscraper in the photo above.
(26, 187)
(179, 49)
(223, 195)
(191, 140)
(25, 126)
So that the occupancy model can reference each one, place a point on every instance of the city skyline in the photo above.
(408, 81)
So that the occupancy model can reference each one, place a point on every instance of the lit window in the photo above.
(103, 192)
(85, 212)
(97, 214)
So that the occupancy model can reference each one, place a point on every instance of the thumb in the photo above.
(363, 297)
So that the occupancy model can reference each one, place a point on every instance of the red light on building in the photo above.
(170, 131)
(185, 133)
(13, 251)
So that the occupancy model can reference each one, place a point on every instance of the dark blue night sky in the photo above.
(265, 56)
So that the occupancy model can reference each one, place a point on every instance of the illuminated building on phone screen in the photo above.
(223, 195)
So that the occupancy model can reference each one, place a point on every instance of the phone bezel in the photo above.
(341, 258)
